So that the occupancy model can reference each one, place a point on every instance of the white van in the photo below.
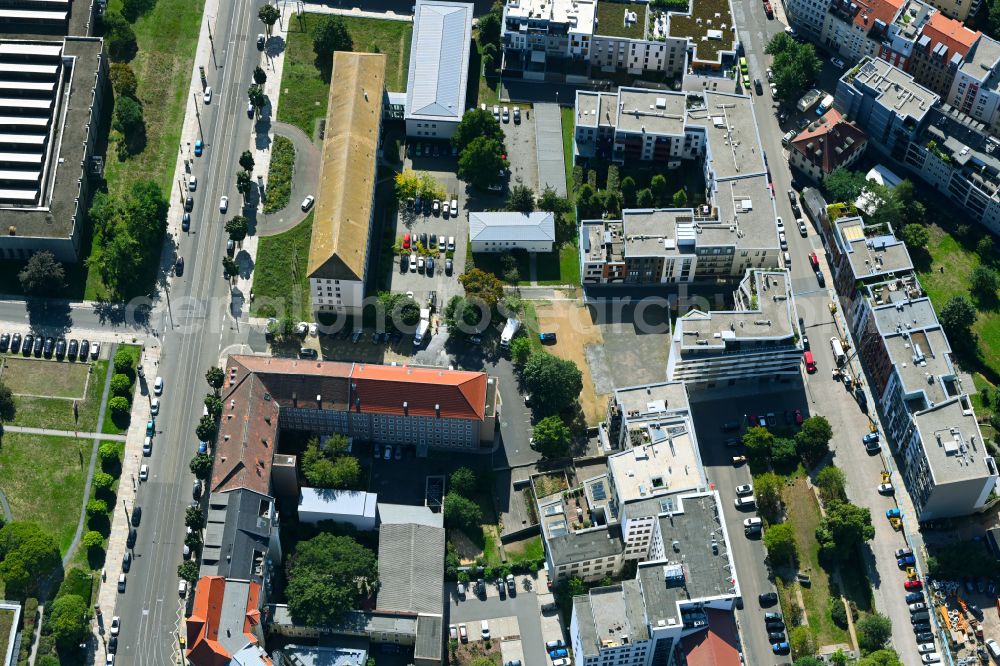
(745, 502)
(182, 588)
(838, 351)
(562, 662)
(510, 329)
(993, 647)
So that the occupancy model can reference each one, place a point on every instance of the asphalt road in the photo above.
(197, 329)
(825, 396)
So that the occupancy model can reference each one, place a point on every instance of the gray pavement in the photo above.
(307, 163)
(520, 141)
(549, 148)
(523, 606)
(69, 433)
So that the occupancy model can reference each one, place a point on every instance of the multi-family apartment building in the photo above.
(733, 231)
(939, 52)
(341, 233)
(975, 90)
(758, 340)
(577, 38)
(926, 412)
(856, 28)
(679, 601)
(826, 144)
(936, 143)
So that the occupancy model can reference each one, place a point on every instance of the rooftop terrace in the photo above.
(621, 19)
(709, 26)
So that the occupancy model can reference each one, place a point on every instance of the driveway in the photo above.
(549, 148)
(520, 141)
(304, 182)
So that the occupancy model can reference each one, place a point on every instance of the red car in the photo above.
(814, 261)
(406, 241)
(768, 10)
(798, 416)
(913, 584)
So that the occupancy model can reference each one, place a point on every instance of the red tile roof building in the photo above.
(939, 52)
(827, 143)
(224, 620)
(431, 408)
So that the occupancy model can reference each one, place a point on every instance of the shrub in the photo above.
(279, 174)
(120, 409)
(121, 385)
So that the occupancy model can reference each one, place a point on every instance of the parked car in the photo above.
(15, 343)
(308, 202)
(547, 337)
(768, 599)
(463, 633)
(745, 489)
(73, 350)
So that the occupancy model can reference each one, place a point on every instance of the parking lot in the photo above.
(520, 140)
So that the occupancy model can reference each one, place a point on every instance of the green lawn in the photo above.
(57, 413)
(280, 280)
(6, 624)
(279, 174)
(167, 38)
(553, 268)
(958, 259)
(803, 514)
(568, 129)
(43, 478)
(305, 88)
(109, 426)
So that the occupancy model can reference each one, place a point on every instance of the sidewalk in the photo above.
(63, 433)
(107, 595)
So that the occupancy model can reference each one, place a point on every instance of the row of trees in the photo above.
(620, 193)
(411, 184)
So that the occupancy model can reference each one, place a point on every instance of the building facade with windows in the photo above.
(341, 233)
(757, 341)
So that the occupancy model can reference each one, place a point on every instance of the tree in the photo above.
(476, 123)
(628, 190)
(480, 163)
(201, 465)
(888, 207)
(92, 540)
(127, 117)
(680, 199)
(124, 363)
(885, 657)
(985, 248)
(246, 157)
(326, 576)
(466, 315)
(795, 66)
(489, 28)
(551, 202)
(260, 78)
(243, 182)
(552, 437)
(123, 79)
(480, 284)
(767, 490)
(844, 185)
(957, 316)
(42, 274)
(984, 281)
(8, 408)
(832, 484)
(237, 228)
(230, 268)
(96, 507)
(119, 38)
(916, 237)
(109, 453)
(783, 453)
(268, 15)
(521, 199)
(69, 620)
(554, 383)
(323, 468)
(194, 518)
(801, 641)
(103, 482)
(463, 482)
(257, 98)
(120, 407)
(758, 442)
(28, 555)
(913, 209)
(780, 543)
(644, 199)
(329, 35)
(874, 632)
(121, 385)
(461, 512)
(188, 571)
(813, 440)
(844, 528)
(658, 186)
(215, 378)
(520, 350)
(206, 429)
(213, 404)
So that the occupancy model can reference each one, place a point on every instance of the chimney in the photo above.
(406, 408)
(295, 399)
(357, 405)
(437, 410)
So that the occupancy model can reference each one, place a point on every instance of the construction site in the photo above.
(967, 621)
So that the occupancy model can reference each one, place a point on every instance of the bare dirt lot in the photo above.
(575, 333)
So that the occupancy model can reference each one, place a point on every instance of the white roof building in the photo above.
(505, 231)
(344, 506)
(439, 68)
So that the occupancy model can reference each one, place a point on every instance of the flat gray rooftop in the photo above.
(773, 318)
(952, 441)
(872, 256)
(921, 359)
(747, 204)
(980, 62)
(653, 398)
(439, 60)
(897, 89)
(905, 315)
(579, 546)
(692, 570)
(731, 130)
(651, 111)
(611, 616)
